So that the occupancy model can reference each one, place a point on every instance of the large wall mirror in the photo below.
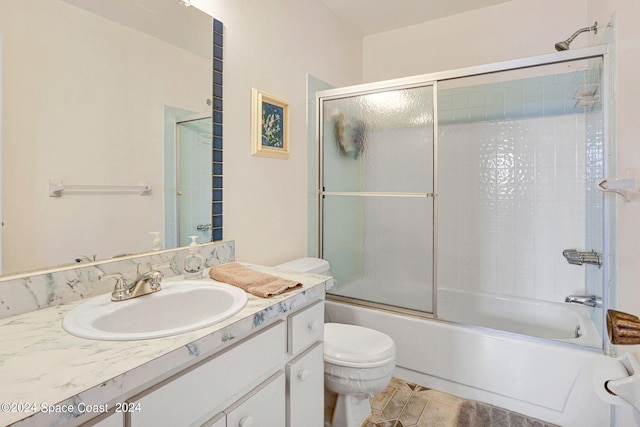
(86, 89)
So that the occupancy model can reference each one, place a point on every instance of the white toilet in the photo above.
(358, 361)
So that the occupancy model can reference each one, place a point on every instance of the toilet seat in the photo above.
(356, 346)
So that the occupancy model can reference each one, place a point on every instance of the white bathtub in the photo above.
(538, 378)
(552, 320)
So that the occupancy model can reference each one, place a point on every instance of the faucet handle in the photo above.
(120, 290)
(155, 276)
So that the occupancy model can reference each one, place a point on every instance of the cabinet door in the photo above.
(263, 407)
(305, 389)
(208, 388)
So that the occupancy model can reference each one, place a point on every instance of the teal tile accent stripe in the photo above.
(217, 117)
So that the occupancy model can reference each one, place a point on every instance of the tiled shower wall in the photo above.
(517, 162)
(511, 198)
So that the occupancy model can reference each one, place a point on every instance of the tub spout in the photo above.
(588, 300)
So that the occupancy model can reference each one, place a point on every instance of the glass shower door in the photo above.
(377, 205)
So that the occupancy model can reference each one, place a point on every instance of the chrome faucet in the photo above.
(578, 258)
(145, 283)
(588, 300)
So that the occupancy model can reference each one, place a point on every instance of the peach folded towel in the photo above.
(256, 283)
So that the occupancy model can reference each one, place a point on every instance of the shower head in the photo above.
(564, 45)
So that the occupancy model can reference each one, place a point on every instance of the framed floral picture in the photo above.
(269, 125)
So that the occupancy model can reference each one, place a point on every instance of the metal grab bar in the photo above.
(578, 258)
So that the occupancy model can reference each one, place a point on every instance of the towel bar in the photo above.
(57, 187)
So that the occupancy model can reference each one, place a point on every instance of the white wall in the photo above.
(515, 29)
(272, 46)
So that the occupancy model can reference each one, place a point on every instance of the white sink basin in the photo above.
(181, 306)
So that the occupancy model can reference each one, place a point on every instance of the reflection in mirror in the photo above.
(187, 178)
(85, 88)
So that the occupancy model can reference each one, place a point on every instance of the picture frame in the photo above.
(269, 125)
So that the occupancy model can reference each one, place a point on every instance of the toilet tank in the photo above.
(307, 265)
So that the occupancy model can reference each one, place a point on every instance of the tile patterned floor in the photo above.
(404, 404)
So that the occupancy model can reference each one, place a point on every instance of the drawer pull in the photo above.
(246, 422)
(313, 326)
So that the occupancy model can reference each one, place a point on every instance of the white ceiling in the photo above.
(377, 16)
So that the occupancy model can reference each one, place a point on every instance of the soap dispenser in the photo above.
(156, 244)
(193, 263)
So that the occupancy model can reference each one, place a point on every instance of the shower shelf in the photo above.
(587, 83)
(586, 96)
(57, 187)
(623, 185)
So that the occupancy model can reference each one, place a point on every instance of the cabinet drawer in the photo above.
(209, 387)
(305, 327)
(264, 407)
(305, 389)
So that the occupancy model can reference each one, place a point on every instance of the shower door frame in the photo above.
(432, 79)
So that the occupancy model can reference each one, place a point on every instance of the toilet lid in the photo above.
(355, 346)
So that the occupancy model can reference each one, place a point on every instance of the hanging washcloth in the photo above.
(256, 283)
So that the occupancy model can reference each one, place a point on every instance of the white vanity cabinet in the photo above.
(305, 369)
(272, 378)
(305, 389)
(194, 396)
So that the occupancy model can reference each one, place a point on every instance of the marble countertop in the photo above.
(50, 377)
